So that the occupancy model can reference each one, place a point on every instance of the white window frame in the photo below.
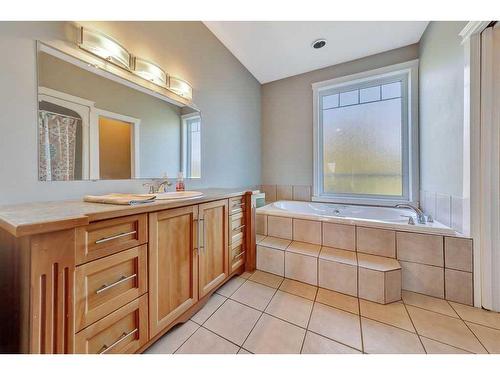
(410, 143)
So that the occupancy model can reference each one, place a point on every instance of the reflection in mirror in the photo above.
(93, 127)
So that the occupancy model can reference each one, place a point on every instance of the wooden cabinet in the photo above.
(173, 265)
(104, 285)
(213, 247)
(116, 285)
(123, 331)
(107, 237)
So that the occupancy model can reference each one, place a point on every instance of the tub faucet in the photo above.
(420, 214)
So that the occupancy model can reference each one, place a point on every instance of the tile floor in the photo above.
(264, 313)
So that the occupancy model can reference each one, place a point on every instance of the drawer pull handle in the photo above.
(240, 227)
(118, 282)
(238, 204)
(124, 336)
(238, 255)
(106, 239)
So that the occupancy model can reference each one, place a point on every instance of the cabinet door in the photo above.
(214, 249)
(173, 265)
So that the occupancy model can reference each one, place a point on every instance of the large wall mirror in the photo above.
(94, 127)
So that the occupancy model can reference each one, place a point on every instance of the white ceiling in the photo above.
(272, 50)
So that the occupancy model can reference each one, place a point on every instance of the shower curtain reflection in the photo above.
(57, 143)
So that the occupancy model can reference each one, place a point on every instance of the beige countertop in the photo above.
(42, 217)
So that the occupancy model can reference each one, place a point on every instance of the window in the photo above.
(365, 137)
(192, 145)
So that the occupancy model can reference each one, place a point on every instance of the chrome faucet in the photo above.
(420, 214)
(160, 187)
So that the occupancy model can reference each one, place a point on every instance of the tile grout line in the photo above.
(471, 331)
(180, 346)
(415, 328)
(201, 325)
(262, 313)
(309, 321)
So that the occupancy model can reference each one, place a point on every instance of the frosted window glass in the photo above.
(330, 101)
(391, 90)
(349, 98)
(370, 94)
(362, 149)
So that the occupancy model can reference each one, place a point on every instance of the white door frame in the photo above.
(94, 141)
(81, 106)
(477, 214)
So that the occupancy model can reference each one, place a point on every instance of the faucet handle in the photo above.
(430, 219)
(151, 187)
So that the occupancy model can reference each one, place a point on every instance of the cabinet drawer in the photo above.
(123, 331)
(107, 237)
(104, 285)
(236, 205)
(237, 254)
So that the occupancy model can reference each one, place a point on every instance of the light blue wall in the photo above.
(226, 93)
(441, 108)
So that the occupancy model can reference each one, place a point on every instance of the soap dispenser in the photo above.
(180, 182)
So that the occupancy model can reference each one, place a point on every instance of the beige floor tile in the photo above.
(231, 286)
(272, 335)
(254, 294)
(173, 339)
(213, 304)
(243, 351)
(336, 324)
(259, 238)
(394, 314)
(429, 303)
(275, 243)
(246, 275)
(299, 289)
(291, 308)
(233, 321)
(206, 342)
(489, 337)
(435, 347)
(316, 344)
(266, 278)
(479, 316)
(384, 339)
(444, 329)
(304, 248)
(338, 300)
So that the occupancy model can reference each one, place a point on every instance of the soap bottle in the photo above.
(180, 182)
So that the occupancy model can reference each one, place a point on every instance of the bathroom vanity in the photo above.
(80, 277)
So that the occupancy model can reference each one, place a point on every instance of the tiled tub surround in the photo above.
(372, 263)
(265, 313)
(286, 192)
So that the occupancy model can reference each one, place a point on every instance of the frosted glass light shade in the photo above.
(180, 87)
(105, 47)
(150, 72)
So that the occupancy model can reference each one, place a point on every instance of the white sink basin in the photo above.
(178, 195)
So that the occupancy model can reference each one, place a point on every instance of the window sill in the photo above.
(360, 201)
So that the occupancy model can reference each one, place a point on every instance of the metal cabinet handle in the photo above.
(118, 282)
(239, 255)
(240, 227)
(106, 239)
(201, 236)
(123, 337)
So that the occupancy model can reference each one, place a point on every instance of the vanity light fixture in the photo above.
(150, 71)
(105, 47)
(180, 87)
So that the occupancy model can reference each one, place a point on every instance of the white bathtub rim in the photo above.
(436, 228)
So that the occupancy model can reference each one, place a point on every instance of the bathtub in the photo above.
(372, 216)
